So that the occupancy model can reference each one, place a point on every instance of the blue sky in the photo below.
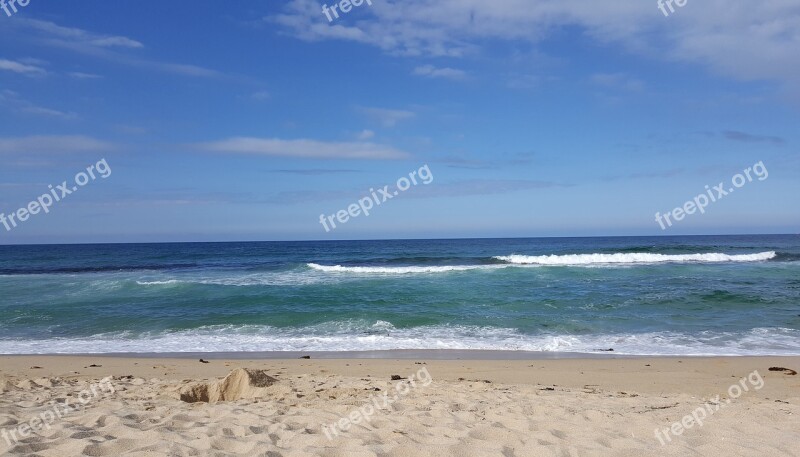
(247, 120)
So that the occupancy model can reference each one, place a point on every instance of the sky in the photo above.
(249, 120)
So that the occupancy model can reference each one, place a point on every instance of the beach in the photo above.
(409, 405)
(416, 228)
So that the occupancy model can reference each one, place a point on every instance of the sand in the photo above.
(299, 407)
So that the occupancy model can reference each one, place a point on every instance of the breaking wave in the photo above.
(631, 258)
(553, 260)
(339, 336)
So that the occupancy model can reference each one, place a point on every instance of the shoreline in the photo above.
(397, 354)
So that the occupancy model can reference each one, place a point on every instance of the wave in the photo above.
(552, 260)
(396, 270)
(427, 260)
(633, 258)
(353, 336)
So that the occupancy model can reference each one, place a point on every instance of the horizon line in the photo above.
(397, 239)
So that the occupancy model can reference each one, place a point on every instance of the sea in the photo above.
(683, 295)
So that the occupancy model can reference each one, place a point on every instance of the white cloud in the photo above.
(366, 135)
(81, 75)
(735, 38)
(177, 68)
(260, 95)
(77, 35)
(21, 68)
(57, 144)
(108, 47)
(387, 117)
(19, 105)
(42, 111)
(120, 41)
(304, 148)
(33, 61)
(433, 72)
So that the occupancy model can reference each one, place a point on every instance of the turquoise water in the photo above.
(667, 295)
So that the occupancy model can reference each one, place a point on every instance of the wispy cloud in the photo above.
(503, 160)
(42, 111)
(315, 171)
(481, 187)
(174, 68)
(618, 81)
(79, 36)
(661, 174)
(81, 75)
(175, 197)
(465, 188)
(303, 149)
(304, 196)
(387, 117)
(55, 144)
(743, 137)
(108, 47)
(465, 163)
(21, 68)
(365, 135)
(433, 72)
(19, 105)
(116, 41)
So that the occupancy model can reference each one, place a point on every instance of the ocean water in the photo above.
(713, 295)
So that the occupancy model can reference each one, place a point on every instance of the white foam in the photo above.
(158, 283)
(586, 260)
(285, 278)
(632, 258)
(361, 336)
(263, 279)
(399, 270)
